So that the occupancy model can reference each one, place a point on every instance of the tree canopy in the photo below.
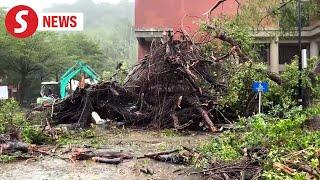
(108, 39)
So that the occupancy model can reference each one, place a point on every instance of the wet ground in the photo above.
(138, 142)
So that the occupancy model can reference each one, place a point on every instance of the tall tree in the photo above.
(25, 59)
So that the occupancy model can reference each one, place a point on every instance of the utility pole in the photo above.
(300, 96)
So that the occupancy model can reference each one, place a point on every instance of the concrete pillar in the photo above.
(314, 49)
(274, 55)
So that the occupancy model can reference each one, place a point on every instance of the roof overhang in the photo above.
(149, 34)
(307, 32)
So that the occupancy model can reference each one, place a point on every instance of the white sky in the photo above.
(39, 5)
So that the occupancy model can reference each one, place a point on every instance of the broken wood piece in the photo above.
(13, 147)
(114, 92)
(179, 102)
(242, 169)
(159, 153)
(170, 158)
(111, 155)
(55, 148)
(30, 159)
(175, 120)
(146, 171)
(207, 119)
(208, 13)
(191, 150)
(107, 161)
(304, 167)
(85, 154)
(281, 167)
(81, 154)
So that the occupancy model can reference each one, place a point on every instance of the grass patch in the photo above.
(6, 158)
(170, 133)
(12, 120)
(89, 137)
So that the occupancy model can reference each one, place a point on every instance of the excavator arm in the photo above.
(91, 73)
(80, 67)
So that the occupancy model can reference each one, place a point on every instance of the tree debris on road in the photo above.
(176, 156)
(167, 89)
(108, 157)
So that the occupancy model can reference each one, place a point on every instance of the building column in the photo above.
(314, 49)
(274, 55)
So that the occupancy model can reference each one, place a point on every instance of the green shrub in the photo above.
(88, 133)
(169, 133)
(6, 158)
(11, 116)
(34, 135)
(280, 98)
(12, 120)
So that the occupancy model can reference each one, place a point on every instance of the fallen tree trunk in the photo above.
(107, 161)
(207, 119)
(11, 147)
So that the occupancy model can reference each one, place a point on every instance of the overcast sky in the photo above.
(39, 5)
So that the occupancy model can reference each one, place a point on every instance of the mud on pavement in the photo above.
(136, 141)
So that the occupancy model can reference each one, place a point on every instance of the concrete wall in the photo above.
(155, 15)
(170, 13)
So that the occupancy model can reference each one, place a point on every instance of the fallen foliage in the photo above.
(292, 150)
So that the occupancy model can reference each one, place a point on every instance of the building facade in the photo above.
(152, 17)
(280, 50)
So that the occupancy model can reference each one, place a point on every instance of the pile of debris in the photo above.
(20, 150)
(249, 167)
(244, 169)
(177, 85)
(177, 156)
(164, 90)
(302, 161)
(9, 145)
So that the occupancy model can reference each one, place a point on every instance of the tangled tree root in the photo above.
(164, 90)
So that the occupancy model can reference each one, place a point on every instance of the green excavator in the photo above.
(51, 91)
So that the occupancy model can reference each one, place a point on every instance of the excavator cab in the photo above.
(48, 92)
(60, 90)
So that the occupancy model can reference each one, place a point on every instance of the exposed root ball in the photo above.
(164, 90)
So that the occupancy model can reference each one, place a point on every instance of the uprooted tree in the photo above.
(163, 90)
(177, 86)
(188, 82)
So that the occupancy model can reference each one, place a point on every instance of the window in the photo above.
(288, 51)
